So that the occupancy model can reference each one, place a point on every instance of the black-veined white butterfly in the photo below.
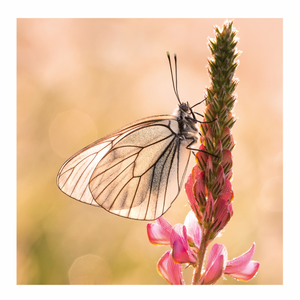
(137, 171)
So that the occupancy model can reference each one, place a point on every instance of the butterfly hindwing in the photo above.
(135, 172)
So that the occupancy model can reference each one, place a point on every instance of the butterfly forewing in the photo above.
(74, 175)
(135, 172)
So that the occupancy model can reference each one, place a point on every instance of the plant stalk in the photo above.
(201, 255)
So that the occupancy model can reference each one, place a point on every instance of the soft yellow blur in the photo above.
(79, 80)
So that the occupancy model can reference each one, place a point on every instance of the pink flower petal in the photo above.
(193, 228)
(214, 272)
(199, 189)
(227, 159)
(162, 266)
(239, 263)
(216, 251)
(196, 171)
(247, 273)
(222, 214)
(219, 182)
(179, 234)
(189, 192)
(201, 158)
(182, 252)
(165, 225)
(208, 213)
(169, 270)
(159, 233)
(227, 192)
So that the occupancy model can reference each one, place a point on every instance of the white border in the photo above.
(10, 10)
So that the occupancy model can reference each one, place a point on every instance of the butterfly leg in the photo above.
(193, 149)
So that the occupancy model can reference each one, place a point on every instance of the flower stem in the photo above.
(201, 255)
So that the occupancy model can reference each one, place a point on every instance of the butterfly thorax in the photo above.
(187, 122)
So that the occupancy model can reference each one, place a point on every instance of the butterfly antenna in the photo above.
(175, 60)
(174, 86)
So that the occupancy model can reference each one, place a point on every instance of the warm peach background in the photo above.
(80, 79)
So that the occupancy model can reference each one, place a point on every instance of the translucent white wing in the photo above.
(135, 172)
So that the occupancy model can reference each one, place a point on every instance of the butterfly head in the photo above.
(186, 112)
(184, 107)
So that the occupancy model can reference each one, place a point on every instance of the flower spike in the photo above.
(208, 187)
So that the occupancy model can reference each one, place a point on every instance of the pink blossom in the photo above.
(182, 252)
(227, 192)
(193, 229)
(214, 272)
(242, 267)
(196, 191)
(201, 157)
(223, 213)
(190, 194)
(222, 209)
(215, 265)
(159, 233)
(169, 270)
(179, 237)
(185, 240)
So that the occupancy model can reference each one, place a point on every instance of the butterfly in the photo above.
(137, 171)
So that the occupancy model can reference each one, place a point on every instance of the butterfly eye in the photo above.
(184, 107)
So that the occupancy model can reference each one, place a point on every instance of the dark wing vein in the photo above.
(169, 173)
(160, 179)
(99, 183)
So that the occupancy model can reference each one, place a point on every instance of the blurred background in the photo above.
(80, 79)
